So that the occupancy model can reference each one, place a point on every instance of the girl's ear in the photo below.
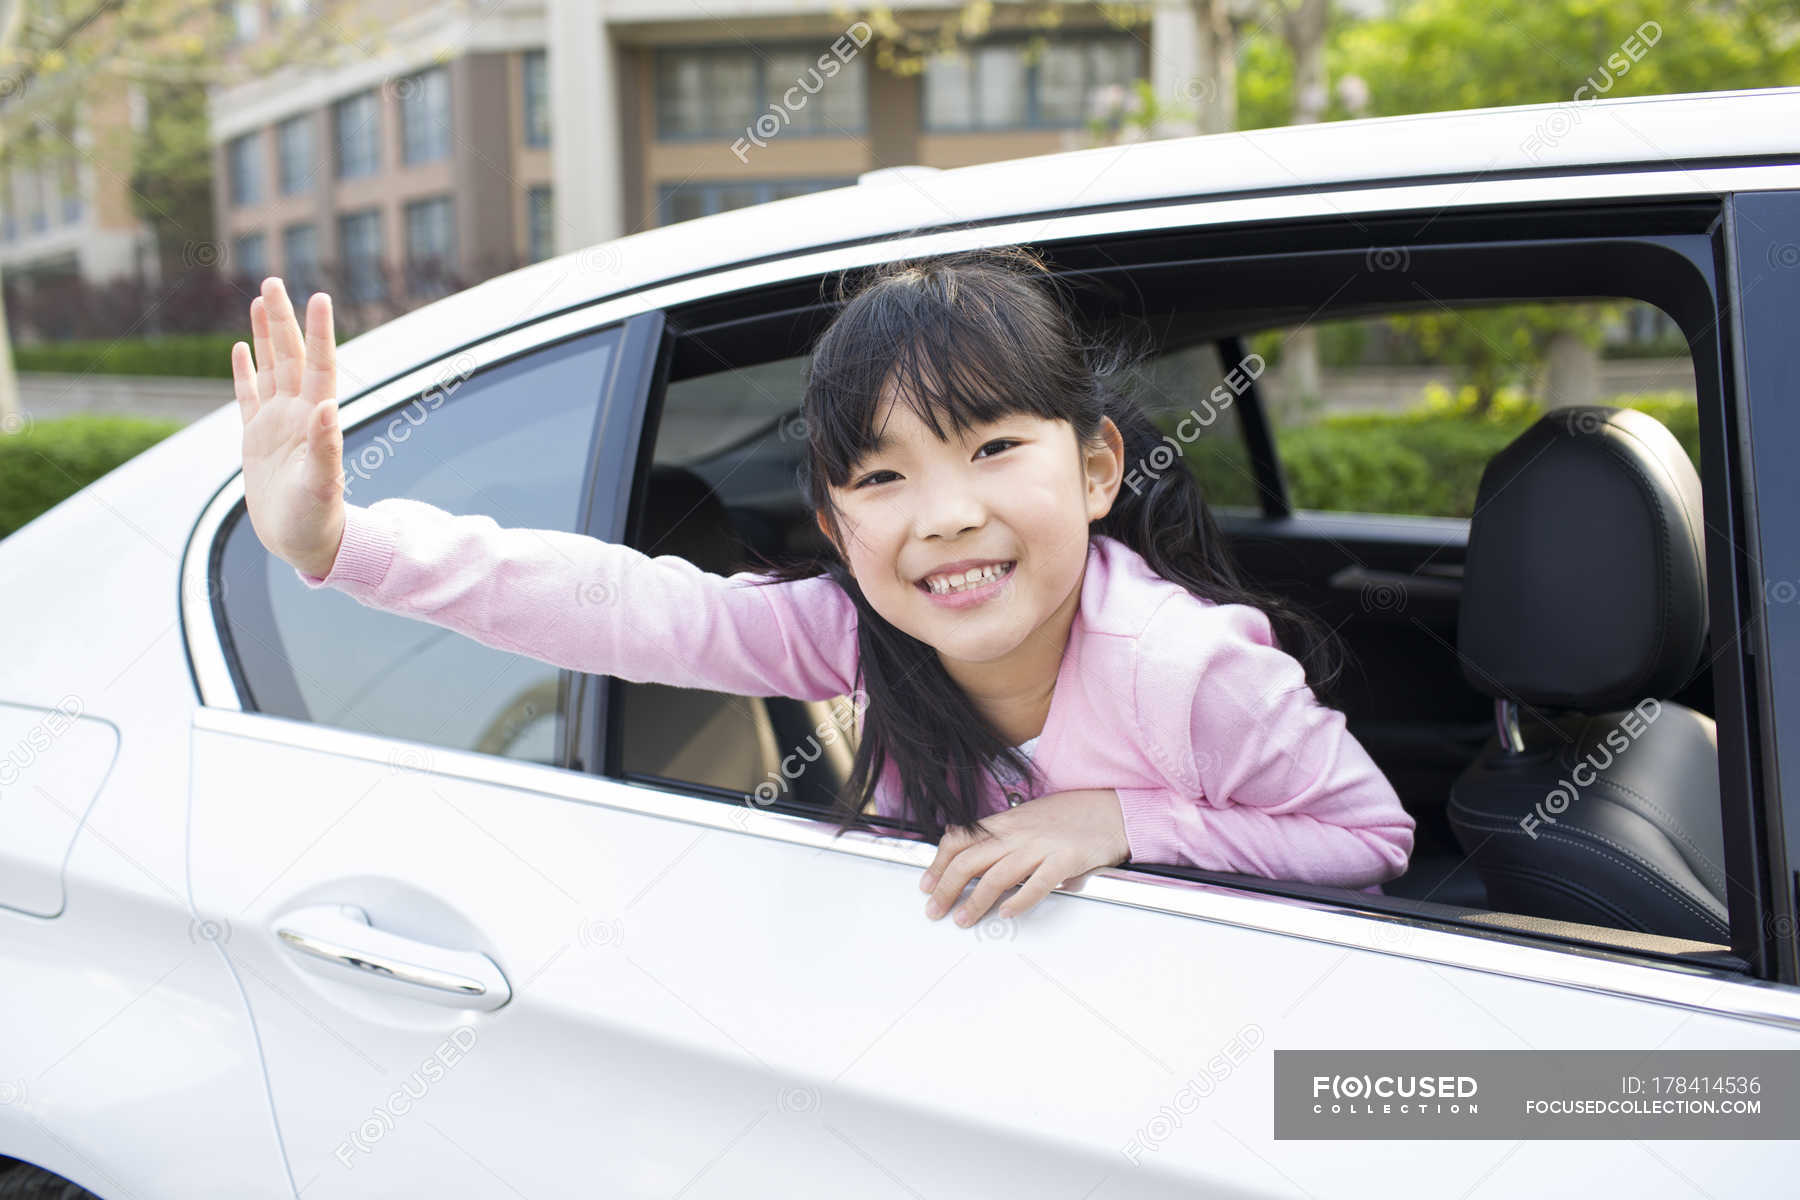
(819, 517)
(1104, 465)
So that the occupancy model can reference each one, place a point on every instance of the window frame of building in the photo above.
(1032, 119)
(423, 106)
(760, 81)
(342, 163)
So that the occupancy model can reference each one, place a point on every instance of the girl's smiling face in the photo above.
(1011, 496)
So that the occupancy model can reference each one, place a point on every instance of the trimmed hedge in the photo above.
(1426, 461)
(49, 461)
(197, 355)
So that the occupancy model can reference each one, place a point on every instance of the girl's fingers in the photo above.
(284, 331)
(243, 381)
(972, 861)
(265, 350)
(994, 881)
(320, 381)
(1046, 879)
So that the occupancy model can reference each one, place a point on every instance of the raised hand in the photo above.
(293, 448)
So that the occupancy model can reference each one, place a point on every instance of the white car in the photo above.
(302, 898)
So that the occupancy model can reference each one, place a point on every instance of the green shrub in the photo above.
(1424, 461)
(49, 461)
(198, 355)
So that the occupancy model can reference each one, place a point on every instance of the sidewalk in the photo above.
(45, 397)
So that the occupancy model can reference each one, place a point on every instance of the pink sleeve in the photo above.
(599, 607)
(1260, 777)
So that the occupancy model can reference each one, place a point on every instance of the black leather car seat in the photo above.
(730, 742)
(1584, 593)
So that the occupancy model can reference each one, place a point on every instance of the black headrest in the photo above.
(683, 516)
(1585, 582)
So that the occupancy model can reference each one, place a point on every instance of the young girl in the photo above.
(1060, 673)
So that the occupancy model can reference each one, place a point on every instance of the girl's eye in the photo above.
(874, 476)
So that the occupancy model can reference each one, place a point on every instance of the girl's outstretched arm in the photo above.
(587, 605)
(1260, 777)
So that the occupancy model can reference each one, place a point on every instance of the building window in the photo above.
(359, 245)
(425, 116)
(685, 201)
(430, 247)
(68, 183)
(537, 99)
(296, 154)
(993, 86)
(250, 257)
(719, 92)
(356, 123)
(246, 19)
(245, 154)
(300, 261)
(540, 235)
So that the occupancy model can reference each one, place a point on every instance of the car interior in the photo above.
(1502, 653)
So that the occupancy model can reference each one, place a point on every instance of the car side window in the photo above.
(1398, 413)
(723, 485)
(512, 443)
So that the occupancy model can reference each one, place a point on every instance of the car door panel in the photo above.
(695, 1006)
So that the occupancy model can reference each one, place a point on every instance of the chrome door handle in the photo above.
(337, 941)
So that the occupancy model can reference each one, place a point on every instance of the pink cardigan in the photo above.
(1220, 755)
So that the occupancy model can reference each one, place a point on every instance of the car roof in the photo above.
(1572, 135)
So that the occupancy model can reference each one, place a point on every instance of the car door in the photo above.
(478, 972)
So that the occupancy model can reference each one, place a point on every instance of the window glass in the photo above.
(245, 160)
(430, 246)
(814, 103)
(512, 443)
(359, 244)
(356, 126)
(541, 237)
(1398, 414)
(1181, 390)
(537, 99)
(294, 142)
(300, 261)
(425, 116)
(1000, 94)
(699, 198)
(997, 86)
(250, 257)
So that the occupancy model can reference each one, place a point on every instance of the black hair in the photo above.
(968, 338)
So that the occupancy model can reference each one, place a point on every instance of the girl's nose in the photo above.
(948, 510)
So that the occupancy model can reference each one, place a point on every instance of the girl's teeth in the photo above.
(973, 577)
